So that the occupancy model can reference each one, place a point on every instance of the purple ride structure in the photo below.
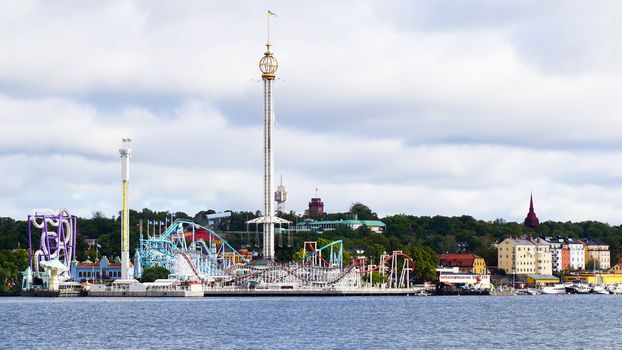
(50, 263)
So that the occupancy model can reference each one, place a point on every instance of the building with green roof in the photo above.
(318, 226)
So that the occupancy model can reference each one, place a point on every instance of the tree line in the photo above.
(421, 237)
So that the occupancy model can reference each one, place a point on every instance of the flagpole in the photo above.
(268, 16)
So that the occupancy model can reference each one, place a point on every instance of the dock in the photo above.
(311, 292)
(159, 288)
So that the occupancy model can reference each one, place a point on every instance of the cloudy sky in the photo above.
(418, 107)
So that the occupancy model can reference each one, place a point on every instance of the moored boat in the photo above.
(599, 289)
(553, 289)
(578, 288)
(615, 288)
(527, 291)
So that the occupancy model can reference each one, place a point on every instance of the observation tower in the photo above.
(126, 153)
(280, 196)
(268, 66)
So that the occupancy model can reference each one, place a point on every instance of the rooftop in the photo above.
(521, 241)
(343, 222)
(543, 277)
(460, 260)
(592, 241)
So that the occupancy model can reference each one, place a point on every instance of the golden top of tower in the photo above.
(268, 64)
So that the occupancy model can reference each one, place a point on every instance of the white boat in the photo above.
(615, 288)
(527, 292)
(553, 289)
(598, 289)
(578, 288)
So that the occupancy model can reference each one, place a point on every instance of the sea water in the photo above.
(464, 322)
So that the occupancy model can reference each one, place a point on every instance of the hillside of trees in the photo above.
(418, 236)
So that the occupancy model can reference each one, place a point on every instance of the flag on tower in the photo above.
(270, 13)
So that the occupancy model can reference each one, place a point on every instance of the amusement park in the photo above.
(199, 260)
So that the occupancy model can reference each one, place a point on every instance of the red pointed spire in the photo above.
(531, 220)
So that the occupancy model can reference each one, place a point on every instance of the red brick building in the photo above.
(316, 208)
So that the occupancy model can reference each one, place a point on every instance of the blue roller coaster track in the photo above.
(178, 251)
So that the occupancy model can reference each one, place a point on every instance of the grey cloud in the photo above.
(425, 107)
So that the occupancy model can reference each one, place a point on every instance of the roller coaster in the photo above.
(192, 252)
(396, 268)
(188, 254)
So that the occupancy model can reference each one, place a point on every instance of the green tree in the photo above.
(374, 251)
(377, 278)
(12, 264)
(298, 255)
(426, 262)
(363, 212)
(153, 273)
(398, 225)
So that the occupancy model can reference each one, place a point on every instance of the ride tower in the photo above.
(126, 153)
(268, 66)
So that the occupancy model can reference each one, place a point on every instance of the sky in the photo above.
(416, 107)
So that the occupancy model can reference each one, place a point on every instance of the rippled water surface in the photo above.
(568, 322)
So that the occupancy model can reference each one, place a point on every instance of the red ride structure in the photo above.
(397, 267)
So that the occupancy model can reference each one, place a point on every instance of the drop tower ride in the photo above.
(126, 153)
(268, 66)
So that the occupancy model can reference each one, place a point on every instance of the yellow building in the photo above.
(597, 251)
(524, 256)
(479, 266)
(534, 280)
(596, 278)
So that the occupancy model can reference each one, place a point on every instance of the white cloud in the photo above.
(425, 108)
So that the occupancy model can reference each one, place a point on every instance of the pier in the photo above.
(310, 292)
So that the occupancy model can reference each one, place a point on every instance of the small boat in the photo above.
(615, 288)
(553, 289)
(599, 289)
(578, 288)
(527, 291)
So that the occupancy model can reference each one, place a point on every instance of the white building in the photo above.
(576, 254)
(555, 247)
(543, 258)
(316, 226)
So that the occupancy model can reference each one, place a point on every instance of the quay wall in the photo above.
(234, 292)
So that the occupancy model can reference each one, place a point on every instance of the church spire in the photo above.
(531, 220)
